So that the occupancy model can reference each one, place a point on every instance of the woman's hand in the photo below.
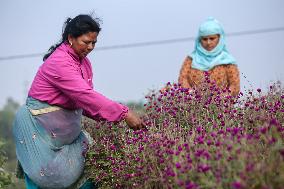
(133, 121)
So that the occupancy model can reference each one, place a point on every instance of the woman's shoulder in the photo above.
(58, 63)
(187, 61)
(230, 66)
(61, 57)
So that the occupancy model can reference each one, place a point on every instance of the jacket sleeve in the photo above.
(69, 81)
(233, 76)
(183, 78)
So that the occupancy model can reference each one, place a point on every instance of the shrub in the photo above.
(5, 177)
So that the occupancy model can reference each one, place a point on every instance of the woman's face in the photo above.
(83, 44)
(209, 42)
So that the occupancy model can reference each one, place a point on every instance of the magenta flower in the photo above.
(178, 165)
(112, 147)
(282, 152)
(237, 185)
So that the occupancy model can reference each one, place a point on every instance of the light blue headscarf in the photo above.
(205, 60)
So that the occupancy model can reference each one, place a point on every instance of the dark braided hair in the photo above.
(75, 27)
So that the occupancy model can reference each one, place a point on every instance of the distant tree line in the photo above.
(7, 146)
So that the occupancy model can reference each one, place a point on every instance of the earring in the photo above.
(70, 44)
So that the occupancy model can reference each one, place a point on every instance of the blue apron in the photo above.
(49, 146)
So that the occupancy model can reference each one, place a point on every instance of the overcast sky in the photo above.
(28, 27)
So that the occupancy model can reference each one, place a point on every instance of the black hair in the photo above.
(76, 27)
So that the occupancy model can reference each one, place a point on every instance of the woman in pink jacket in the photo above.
(47, 131)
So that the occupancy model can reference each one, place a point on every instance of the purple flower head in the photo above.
(178, 165)
(237, 185)
(249, 167)
(199, 129)
(190, 185)
(282, 152)
(220, 131)
(200, 140)
(209, 142)
(112, 147)
(213, 134)
(186, 145)
(263, 130)
(235, 131)
(273, 122)
(229, 147)
(180, 183)
(170, 173)
(203, 168)
(199, 152)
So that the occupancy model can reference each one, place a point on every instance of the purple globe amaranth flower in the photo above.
(190, 185)
(198, 152)
(203, 168)
(170, 173)
(229, 147)
(177, 153)
(263, 130)
(209, 142)
(178, 165)
(220, 116)
(282, 152)
(200, 139)
(112, 147)
(189, 160)
(170, 152)
(249, 167)
(249, 136)
(186, 145)
(179, 148)
(207, 155)
(180, 183)
(161, 160)
(272, 140)
(218, 156)
(218, 143)
(237, 185)
(199, 129)
(221, 131)
(235, 131)
(213, 134)
(140, 149)
(273, 122)
(230, 158)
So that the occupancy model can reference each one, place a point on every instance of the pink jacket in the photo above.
(65, 80)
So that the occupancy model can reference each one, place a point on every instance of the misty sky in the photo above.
(28, 27)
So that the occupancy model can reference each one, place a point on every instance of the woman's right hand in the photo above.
(133, 121)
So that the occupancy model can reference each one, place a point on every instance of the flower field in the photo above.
(198, 138)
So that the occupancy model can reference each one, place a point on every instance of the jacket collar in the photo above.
(71, 52)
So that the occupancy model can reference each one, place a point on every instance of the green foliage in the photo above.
(7, 115)
(5, 177)
(7, 148)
